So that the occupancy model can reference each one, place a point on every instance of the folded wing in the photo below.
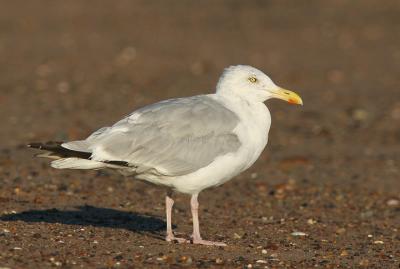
(172, 138)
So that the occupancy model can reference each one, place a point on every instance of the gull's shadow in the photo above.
(94, 216)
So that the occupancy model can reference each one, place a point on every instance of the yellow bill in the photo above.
(288, 96)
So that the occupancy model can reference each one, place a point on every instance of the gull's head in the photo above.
(253, 85)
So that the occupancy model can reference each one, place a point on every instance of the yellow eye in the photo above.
(253, 79)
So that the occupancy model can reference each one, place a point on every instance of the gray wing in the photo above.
(173, 137)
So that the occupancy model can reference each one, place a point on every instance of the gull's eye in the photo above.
(253, 79)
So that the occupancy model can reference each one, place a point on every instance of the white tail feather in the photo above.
(76, 163)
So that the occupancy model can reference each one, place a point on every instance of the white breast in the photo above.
(255, 121)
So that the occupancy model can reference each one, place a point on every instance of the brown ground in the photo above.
(330, 169)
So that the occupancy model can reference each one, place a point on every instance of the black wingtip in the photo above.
(56, 148)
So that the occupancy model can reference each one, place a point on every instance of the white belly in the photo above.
(253, 134)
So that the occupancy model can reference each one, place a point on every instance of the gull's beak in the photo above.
(289, 96)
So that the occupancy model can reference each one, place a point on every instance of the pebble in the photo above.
(393, 202)
(219, 261)
(43, 70)
(340, 230)
(264, 251)
(311, 221)
(298, 234)
(360, 114)
(63, 87)
(378, 242)
(261, 261)
(185, 259)
(253, 175)
(236, 236)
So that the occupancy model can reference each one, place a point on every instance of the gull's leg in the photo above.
(194, 204)
(170, 235)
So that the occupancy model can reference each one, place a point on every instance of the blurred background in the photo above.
(68, 68)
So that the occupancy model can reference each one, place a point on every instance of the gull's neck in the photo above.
(238, 99)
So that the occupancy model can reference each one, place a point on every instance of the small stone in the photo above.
(267, 219)
(298, 234)
(378, 242)
(311, 221)
(367, 214)
(253, 175)
(264, 251)
(393, 202)
(360, 114)
(364, 262)
(219, 261)
(119, 257)
(249, 265)
(185, 259)
(63, 87)
(340, 230)
(189, 260)
(369, 236)
(236, 236)
(261, 261)
(344, 253)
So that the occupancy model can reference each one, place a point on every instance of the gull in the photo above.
(185, 144)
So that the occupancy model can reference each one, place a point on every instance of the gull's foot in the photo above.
(174, 239)
(208, 243)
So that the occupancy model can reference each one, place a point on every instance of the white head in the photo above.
(251, 84)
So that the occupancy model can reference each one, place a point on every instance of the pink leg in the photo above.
(170, 235)
(194, 204)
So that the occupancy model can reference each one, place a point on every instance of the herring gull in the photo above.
(186, 144)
